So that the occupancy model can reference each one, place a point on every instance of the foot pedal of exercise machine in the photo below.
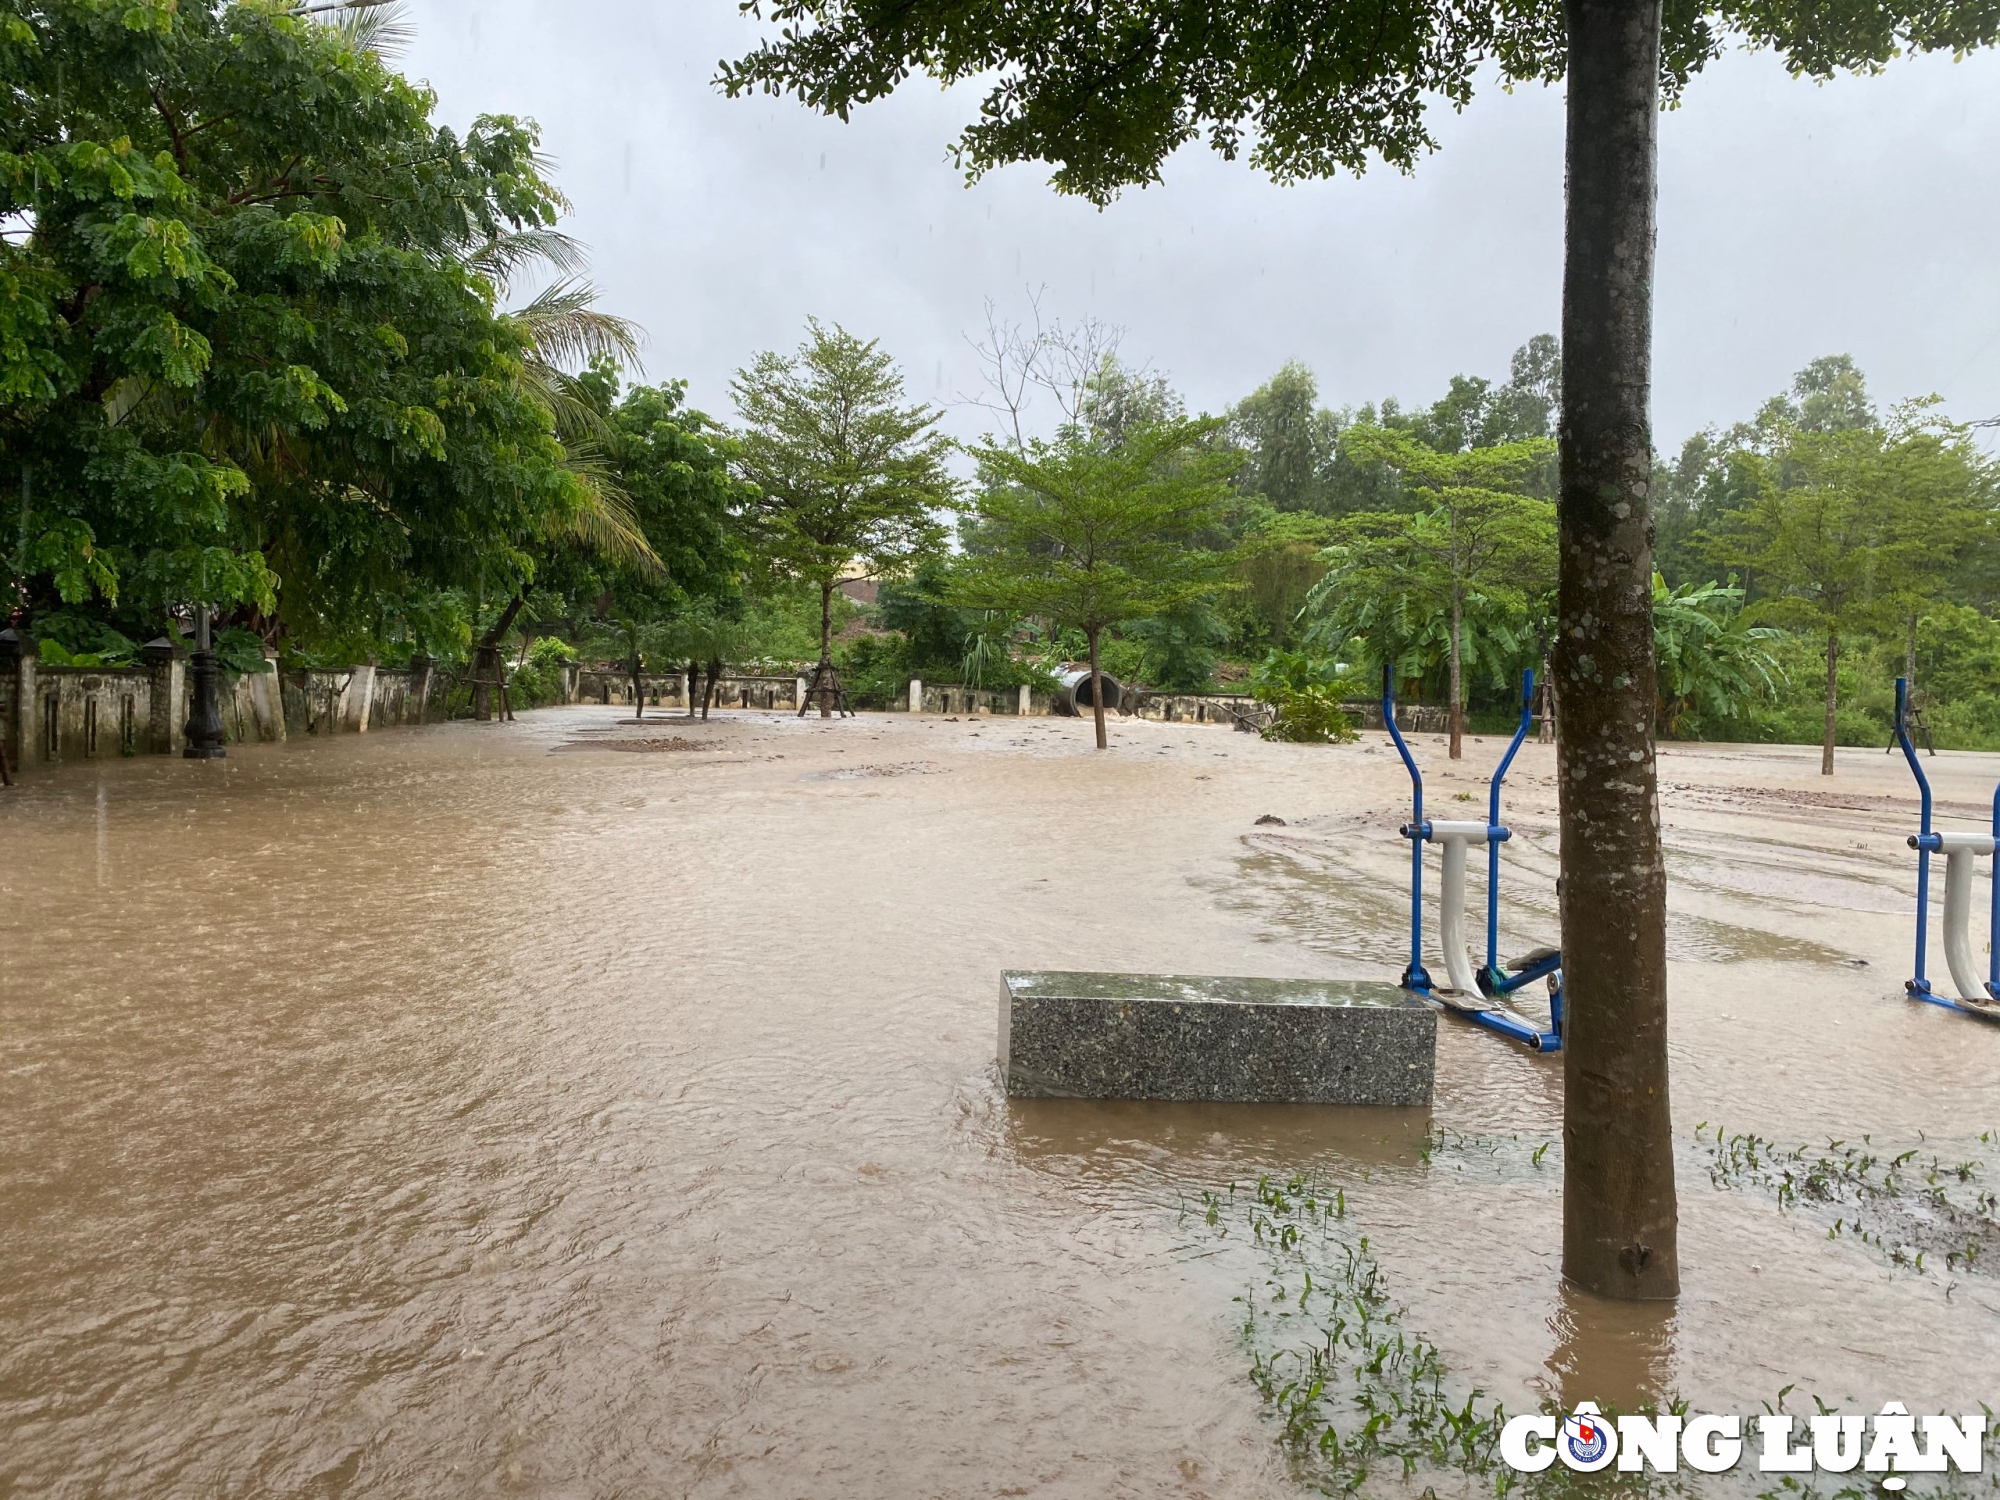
(1471, 1004)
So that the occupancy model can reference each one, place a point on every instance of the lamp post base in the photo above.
(204, 725)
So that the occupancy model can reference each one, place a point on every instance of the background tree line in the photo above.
(263, 348)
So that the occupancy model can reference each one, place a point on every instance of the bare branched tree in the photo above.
(1042, 355)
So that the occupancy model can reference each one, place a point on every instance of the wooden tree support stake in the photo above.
(825, 691)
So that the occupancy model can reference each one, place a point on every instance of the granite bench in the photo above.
(1168, 1036)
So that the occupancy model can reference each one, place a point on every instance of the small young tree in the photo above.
(1479, 543)
(851, 480)
(1089, 535)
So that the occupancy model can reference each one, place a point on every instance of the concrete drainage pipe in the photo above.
(1074, 699)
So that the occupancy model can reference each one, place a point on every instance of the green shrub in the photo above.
(539, 679)
(240, 651)
(875, 669)
(55, 654)
(1180, 649)
(1969, 724)
(1305, 692)
(1309, 716)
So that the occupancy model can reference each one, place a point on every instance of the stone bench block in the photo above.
(1162, 1036)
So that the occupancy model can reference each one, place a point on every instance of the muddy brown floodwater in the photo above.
(462, 1112)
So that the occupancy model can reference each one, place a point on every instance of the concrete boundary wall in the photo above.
(1197, 708)
(53, 714)
(50, 715)
(664, 690)
(362, 698)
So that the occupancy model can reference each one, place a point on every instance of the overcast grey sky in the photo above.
(1795, 220)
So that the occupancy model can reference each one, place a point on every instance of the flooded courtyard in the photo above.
(571, 1108)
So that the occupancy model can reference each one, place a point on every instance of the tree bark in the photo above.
(1620, 1216)
(638, 686)
(694, 681)
(1457, 678)
(1832, 701)
(1097, 691)
(486, 660)
(708, 692)
(820, 681)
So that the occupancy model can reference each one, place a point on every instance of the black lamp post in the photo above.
(204, 725)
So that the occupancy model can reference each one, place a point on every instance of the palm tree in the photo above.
(563, 329)
(563, 325)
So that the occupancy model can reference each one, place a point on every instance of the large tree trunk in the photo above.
(638, 685)
(486, 660)
(821, 681)
(1620, 1218)
(1457, 678)
(1832, 701)
(1097, 691)
(694, 681)
(708, 692)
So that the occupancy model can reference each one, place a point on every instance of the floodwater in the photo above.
(463, 1112)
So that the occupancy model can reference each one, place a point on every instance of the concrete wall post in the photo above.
(166, 663)
(360, 696)
(18, 660)
(420, 688)
(916, 695)
(268, 694)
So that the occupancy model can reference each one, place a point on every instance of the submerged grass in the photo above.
(1365, 1404)
(1355, 1394)
(1917, 1211)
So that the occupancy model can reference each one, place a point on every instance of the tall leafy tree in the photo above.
(1107, 92)
(671, 466)
(850, 479)
(1852, 527)
(1090, 534)
(1290, 442)
(252, 361)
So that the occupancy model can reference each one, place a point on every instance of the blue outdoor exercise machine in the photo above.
(1961, 851)
(1479, 997)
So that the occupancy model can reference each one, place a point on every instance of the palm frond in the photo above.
(606, 521)
(505, 255)
(576, 420)
(382, 27)
(565, 328)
